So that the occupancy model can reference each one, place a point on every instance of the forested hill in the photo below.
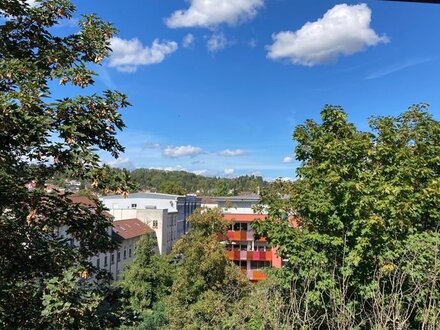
(181, 182)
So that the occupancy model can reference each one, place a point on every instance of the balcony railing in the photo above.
(250, 255)
(255, 275)
(242, 235)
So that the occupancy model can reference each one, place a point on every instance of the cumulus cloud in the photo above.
(188, 40)
(288, 159)
(200, 172)
(208, 13)
(122, 163)
(232, 153)
(343, 30)
(229, 171)
(217, 42)
(128, 55)
(182, 151)
(170, 168)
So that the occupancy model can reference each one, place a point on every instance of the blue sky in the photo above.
(217, 89)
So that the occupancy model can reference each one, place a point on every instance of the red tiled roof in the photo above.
(131, 228)
(243, 217)
(83, 200)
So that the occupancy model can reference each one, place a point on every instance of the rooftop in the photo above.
(130, 228)
(143, 195)
(242, 198)
(243, 217)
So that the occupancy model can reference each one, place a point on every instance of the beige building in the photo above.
(128, 233)
(161, 221)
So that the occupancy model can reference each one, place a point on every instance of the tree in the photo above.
(149, 278)
(360, 198)
(171, 188)
(206, 284)
(42, 137)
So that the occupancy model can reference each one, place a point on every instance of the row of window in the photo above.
(253, 264)
(112, 257)
(246, 247)
(243, 226)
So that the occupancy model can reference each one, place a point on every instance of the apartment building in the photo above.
(250, 254)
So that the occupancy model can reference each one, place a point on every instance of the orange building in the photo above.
(250, 254)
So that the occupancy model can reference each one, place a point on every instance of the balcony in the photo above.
(242, 235)
(250, 255)
(255, 275)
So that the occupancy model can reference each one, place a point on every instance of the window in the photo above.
(98, 263)
(129, 251)
(105, 261)
(154, 223)
(112, 259)
(260, 264)
(133, 206)
(125, 254)
(119, 256)
(241, 263)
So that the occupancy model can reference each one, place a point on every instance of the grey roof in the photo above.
(143, 195)
(242, 198)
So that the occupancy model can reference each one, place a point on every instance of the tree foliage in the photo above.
(149, 278)
(361, 198)
(41, 282)
(180, 181)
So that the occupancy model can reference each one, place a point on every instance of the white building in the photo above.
(127, 233)
(166, 214)
(233, 204)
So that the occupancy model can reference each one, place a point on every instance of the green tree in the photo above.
(360, 198)
(206, 283)
(149, 278)
(40, 138)
(171, 188)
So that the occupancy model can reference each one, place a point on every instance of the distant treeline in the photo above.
(181, 182)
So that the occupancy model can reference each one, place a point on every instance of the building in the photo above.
(127, 233)
(166, 214)
(250, 254)
(186, 205)
(233, 204)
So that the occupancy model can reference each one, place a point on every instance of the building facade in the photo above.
(166, 214)
(127, 233)
(250, 254)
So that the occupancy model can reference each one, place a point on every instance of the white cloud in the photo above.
(122, 163)
(229, 171)
(209, 13)
(288, 159)
(182, 151)
(232, 153)
(200, 172)
(188, 40)
(128, 55)
(216, 42)
(343, 30)
(170, 168)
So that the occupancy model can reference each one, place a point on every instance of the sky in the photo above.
(218, 86)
